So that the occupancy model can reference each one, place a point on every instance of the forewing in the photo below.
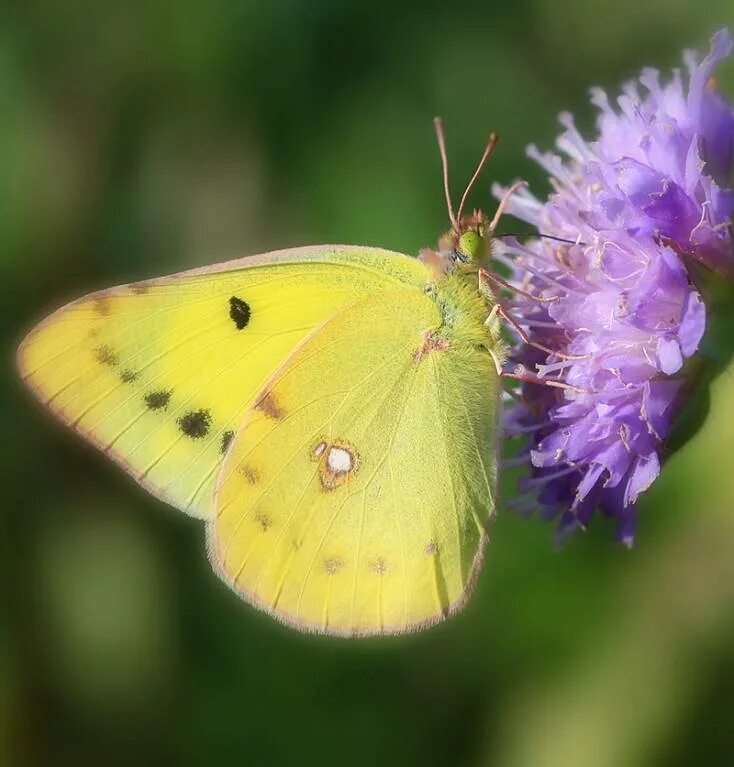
(356, 496)
(159, 374)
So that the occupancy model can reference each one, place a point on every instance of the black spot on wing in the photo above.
(227, 438)
(240, 312)
(158, 400)
(128, 376)
(195, 423)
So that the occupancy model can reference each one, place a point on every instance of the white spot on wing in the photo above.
(339, 460)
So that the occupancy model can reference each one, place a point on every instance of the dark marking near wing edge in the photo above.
(105, 356)
(128, 376)
(332, 565)
(195, 424)
(264, 521)
(378, 565)
(227, 438)
(240, 312)
(101, 306)
(269, 405)
(158, 400)
(252, 476)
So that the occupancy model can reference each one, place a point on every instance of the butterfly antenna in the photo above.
(541, 236)
(438, 124)
(491, 144)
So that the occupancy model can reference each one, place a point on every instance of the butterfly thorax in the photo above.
(464, 301)
(465, 309)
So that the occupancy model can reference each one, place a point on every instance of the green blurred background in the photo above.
(138, 139)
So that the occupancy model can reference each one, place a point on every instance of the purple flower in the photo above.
(639, 206)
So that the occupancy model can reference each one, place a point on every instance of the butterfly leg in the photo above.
(507, 317)
(520, 372)
(487, 279)
(500, 311)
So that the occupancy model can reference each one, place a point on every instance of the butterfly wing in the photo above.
(159, 374)
(356, 495)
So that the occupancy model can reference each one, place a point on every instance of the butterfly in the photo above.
(331, 413)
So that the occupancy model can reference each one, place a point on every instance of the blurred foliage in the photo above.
(140, 138)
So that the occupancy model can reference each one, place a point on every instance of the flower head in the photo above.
(638, 206)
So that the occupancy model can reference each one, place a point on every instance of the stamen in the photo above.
(524, 504)
(545, 478)
(554, 367)
(554, 281)
(541, 324)
(516, 431)
(552, 382)
(521, 253)
(513, 463)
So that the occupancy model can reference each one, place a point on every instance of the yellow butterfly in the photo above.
(330, 412)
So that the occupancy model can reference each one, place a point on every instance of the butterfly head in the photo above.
(469, 241)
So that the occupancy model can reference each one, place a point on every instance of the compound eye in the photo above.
(471, 245)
